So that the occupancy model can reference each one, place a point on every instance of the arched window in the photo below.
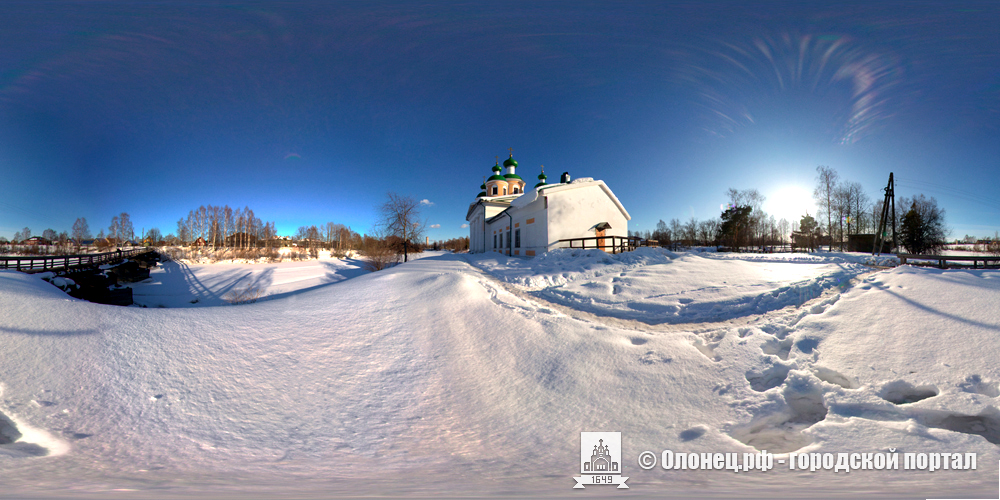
(494, 190)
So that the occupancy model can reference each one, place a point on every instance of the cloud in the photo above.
(427, 202)
(464, 226)
(435, 226)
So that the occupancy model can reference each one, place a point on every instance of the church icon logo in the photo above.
(600, 459)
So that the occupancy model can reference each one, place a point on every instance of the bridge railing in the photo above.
(943, 259)
(57, 262)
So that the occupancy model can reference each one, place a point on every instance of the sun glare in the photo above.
(790, 202)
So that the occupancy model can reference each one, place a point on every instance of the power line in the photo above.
(7, 207)
(936, 187)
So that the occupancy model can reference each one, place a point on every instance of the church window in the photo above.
(517, 238)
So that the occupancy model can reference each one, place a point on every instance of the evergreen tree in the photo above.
(733, 229)
(922, 227)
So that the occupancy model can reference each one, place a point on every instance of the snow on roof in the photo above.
(532, 195)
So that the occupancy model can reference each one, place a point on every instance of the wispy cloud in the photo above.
(427, 202)
(435, 226)
(464, 226)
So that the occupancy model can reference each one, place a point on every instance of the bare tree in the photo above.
(691, 231)
(399, 216)
(113, 229)
(676, 230)
(22, 235)
(825, 193)
(154, 236)
(859, 202)
(706, 231)
(121, 228)
(784, 230)
(81, 231)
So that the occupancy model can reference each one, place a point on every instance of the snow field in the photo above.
(435, 377)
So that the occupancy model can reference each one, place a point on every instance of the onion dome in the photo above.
(510, 162)
(496, 175)
(512, 176)
(541, 179)
(481, 195)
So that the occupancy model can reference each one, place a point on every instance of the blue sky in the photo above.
(309, 112)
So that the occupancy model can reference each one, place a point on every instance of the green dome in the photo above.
(513, 176)
(496, 177)
(480, 195)
(540, 184)
(510, 162)
(496, 168)
(482, 186)
(542, 176)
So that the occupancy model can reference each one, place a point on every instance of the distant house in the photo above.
(200, 242)
(36, 241)
(241, 239)
(507, 218)
(103, 243)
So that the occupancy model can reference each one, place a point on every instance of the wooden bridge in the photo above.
(39, 263)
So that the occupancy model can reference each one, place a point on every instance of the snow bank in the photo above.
(561, 266)
(656, 286)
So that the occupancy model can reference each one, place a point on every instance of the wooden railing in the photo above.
(57, 262)
(975, 259)
(614, 244)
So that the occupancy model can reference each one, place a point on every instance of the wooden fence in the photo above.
(35, 263)
(614, 244)
(942, 259)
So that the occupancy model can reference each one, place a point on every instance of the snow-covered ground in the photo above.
(473, 375)
(180, 284)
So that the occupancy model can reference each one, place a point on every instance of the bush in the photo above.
(246, 295)
(379, 254)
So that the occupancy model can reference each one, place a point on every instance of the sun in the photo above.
(790, 202)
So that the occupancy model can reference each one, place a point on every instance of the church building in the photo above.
(510, 219)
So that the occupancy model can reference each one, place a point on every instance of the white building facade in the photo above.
(508, 219)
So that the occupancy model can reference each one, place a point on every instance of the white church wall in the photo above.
(531, 220)
(574, 211)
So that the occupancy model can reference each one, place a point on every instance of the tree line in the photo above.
(844, 206)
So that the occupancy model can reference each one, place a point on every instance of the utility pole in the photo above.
(890, 199)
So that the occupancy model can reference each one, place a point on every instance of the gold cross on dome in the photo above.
(511, 152)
